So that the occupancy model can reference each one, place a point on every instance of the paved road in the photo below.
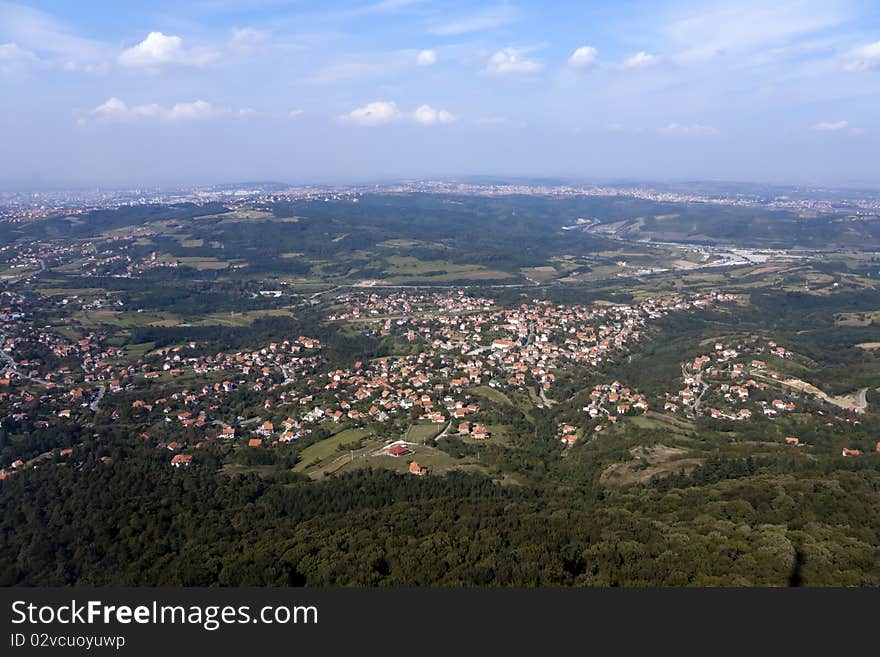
(102, 390)
(691, 411)
(862, 401)
(444, 432)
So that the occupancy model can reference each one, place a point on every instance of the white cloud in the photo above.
(248, 38)
(831, 126)
(715, 29)
(11, 52)
(639, 60)
(426, 58)
(487, 20)
(427, 115)
(688, 130)
(111, 108)
(159, 49)
(381, 112)
(865, 58)
(511, 61)
(583, 58)
(38, 32)
(295, 113)
(13, 58)
(115, 109)
(372, 114)
(199, 109)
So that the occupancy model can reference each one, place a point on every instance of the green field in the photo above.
(239, 319)
(492, 394)
(328, 447)
(437, 461)
(422, 431)
(127, 319)
(408, 268)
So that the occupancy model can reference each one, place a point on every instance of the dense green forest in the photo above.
(139, 523)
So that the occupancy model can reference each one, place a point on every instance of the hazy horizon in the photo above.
(210, 92)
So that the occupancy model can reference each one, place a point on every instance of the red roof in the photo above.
(398, 450)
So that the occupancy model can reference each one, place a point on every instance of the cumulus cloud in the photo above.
(688, 130)
(372, 114)
(114, 109)
(426, 58)
(639, 60)
(381, 112)
(865, 58)
(583, 58)
(159, 49)
(511, 61)
(427, 115)
(831, 126)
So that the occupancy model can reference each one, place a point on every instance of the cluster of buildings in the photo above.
(459, 342)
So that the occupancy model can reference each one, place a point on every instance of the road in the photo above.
(862, 402)
(691, 412)
(444, 432)
(102, 390)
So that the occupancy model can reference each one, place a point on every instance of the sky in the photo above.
(196, 92)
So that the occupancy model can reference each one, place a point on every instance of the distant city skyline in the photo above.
(202, 92)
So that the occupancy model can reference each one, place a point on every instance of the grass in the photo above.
(649, 462)
(857, 319)
(240, 319)
(203, 263)
(239, 469)
(132, 319)
(540, 274)
(643, 422)
(70, 291)
(139, 349)
(436, 460)
(126, 319)
(407, 268)
(492, 394)
(328, 447)
(422, 431)
(238, 216)
(499, 435)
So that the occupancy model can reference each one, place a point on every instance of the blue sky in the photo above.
(207, 91)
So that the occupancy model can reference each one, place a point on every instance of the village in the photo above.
(451, 343)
